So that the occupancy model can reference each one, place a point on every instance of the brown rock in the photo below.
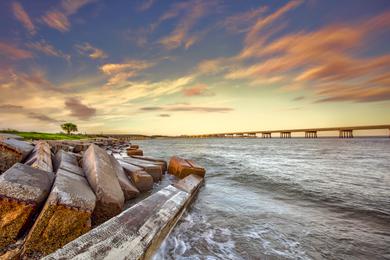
(40, 157)
(134, 152)
(22, 190)
(134, 146)
(65, 216)
(181, 168)
(161, 162)
(152, 169)
(101, 176)
(128, 188)
(13, 151)
(142, 180)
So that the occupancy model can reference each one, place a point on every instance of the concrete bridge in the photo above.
(344, 132)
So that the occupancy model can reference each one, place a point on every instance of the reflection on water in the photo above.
(284, 199)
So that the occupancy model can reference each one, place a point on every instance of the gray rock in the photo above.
(128, 188)
(141, 179)
(40, 157)
(154, 170)
(102, 178)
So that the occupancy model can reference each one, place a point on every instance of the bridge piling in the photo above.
(346, 133)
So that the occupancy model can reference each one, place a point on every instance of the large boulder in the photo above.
(154, 170)
(162, 163)
(142, 180)
(101, 175)
(65, 216)
(13, 151)
(23, 189)
(181, 168)
(129, 191)
(40, 157)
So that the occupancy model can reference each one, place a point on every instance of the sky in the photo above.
(193, 67)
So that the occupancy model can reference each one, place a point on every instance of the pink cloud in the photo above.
(22, 16)
(197, 90)
(10, 51)
(57, 20)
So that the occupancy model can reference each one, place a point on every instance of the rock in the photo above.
(40, 157)
(58, 145)
(135, 234)
(134, 152)
(65, 216)
(101, 176)
(23, 190)
(142, 180)
(129, 191)
(68, 161)
(134, 146)
(13, 151)
(161, 162)
(190, 183)
(181, 168)
(152, 169)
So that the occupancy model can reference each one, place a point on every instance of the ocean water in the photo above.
(283, 199)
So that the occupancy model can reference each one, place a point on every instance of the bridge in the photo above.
(344, 132)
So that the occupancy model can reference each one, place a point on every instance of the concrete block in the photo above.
(65, 216)
(142, 180)
(161, 162)
(23, 189)
(13, 151)
(68, 161)
(134, 152)
(154, 170)
(40, 157)
(181, 168)
(190, 183)
(129, 190)
(102, 178)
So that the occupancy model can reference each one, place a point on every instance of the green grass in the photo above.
(44, 136)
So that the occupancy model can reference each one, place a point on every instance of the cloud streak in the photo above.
(78, 109)
(88, 50)
(22, 16)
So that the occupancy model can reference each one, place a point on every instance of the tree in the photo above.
(69, 127)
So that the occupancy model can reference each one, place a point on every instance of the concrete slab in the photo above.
(40, 157)
(154, 170)
(23, 189)
(134, 234)
(65, 216)
(129, 190)
(141, 179)
(13, 151)
(181, 168)
(161, 162)
(102, 178)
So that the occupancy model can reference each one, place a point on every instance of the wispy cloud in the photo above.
(58, 18)
(146, 5)
(188, 108)
(190, 13)
(198, 90)
(240, 23)
(14, 109)
(10, 51)
(22, 16)
(91, 51)
(78, 109)
(48, 49)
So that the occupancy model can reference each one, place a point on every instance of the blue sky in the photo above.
(186, 67)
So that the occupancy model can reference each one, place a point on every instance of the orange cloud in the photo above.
(238, 23)
(57, 20)
(90, 51)
(48, 49)
(181, 35)
(23, 17)
(11, 52)
(197, 90)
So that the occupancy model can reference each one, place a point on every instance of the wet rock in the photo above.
(101, 176)
(23, 189)
(40, 157)
(190, 183)
(134, 152)
(68, 161)
(142, 180)
(152, 169)
(65, 216)
(129, 191)
(134, 146)
(181, 168)
(135, 234)
(13, 151)
(161, 162)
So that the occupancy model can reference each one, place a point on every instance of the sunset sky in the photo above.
(189, 67)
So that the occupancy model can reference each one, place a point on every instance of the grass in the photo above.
(44, 136)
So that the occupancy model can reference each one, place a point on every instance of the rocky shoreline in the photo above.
(67, 199)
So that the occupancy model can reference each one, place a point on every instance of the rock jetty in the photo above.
(67, 199)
